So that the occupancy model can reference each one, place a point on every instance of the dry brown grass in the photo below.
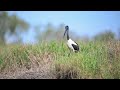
(114, 50)
(114, 58)
(95, 60)
(38, 67)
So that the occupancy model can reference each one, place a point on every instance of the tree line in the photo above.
(13, 25)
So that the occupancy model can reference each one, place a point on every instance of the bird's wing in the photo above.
(76, 42)
(76, 47)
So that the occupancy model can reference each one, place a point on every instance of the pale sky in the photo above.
(81, 22)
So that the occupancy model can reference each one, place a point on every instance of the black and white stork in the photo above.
(72, 45)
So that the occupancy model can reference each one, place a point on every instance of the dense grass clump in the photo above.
(99, 60)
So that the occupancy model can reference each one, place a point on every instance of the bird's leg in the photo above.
(69, 53)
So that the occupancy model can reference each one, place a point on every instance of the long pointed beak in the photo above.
(64, 33)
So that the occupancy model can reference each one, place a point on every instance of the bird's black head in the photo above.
(66, 30)
(66, 27)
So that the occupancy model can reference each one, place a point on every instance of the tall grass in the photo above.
(99, 60)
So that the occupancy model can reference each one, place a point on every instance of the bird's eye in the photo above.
(66, 27)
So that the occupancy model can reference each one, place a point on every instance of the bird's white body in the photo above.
(69, 43)
(72, 45)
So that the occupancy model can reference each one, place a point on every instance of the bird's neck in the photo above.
(67, 35)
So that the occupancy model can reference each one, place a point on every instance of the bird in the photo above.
(72, 45)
